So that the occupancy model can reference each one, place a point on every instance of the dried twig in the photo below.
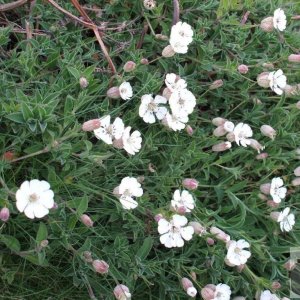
(141, 40)
(296, 17)
(28, 30)
(176, 11)
(12, 5)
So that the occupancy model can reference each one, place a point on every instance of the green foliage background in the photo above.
(42, 105)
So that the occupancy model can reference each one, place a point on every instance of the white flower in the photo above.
(182, 103)
(182, 32)
(174, 233)
(286, 220)
(150, 108)
(183, 201)
(277, 190)
(277, 81)
(241, 134)
(34, 198)
(174, 84)
(279, 19)
(191, 291)
(128, 189)
(222, 292)
(132, 143)
(107, 132)
(267, 295)
(176, 122)
(125, 90)
(236, 254)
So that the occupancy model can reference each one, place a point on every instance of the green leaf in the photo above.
(74, 72)
(11, 242)
(42, 233)
(144, 251)
(26, 111)
(16, 117)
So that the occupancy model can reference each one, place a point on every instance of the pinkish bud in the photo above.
(87, 256)
(198, 228)
(158, 217)
(216, 84)
(100, 266)
(83, 82)
(121, 292)
(268, 65)
(189, 130)
(193, 275)
(210, 241)
(86, 220)
(186, 283)
(44, 243)
(91, 125)
(167, 93)
(296, 181)
(294, 58)
(220, 234)
(190, 183)
(113, 92)
(161, 37)
(263, 155)
(263, 80)
(243, 69)
(144, 61)
(55, 206)
(180, 210)
(276, 285)
(208, 292)
(267, 24)
(168, 51)
(275, 215)
(4, 214)
(219, 131)
(221, 147)
(230, 137)
(263, 197)
(254, 144)
(218, 121)
(240, 268)
(265, 188)
(290, 265)
(228, 126)
(129, 66)
(268, 131)
(272, 204)
(118, 143)
(297, 171)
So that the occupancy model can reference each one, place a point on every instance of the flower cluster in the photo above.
(220, 291)
(276, 80)
(117, 135)
(123, 91)
(278, 21)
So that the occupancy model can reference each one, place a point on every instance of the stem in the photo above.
(6, 187)
(45, 150)
(12, 5)
(176, 11)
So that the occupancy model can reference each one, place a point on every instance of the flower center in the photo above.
(123, 91)
(33, 197)
(237, 250)
(110, 129)
(127, 193)
(152, 106)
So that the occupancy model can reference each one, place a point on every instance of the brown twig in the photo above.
(141, 40)
(176, 11)
(28, 30)
(12, 5)
(81, 11)
(245, 18)
(296, 17)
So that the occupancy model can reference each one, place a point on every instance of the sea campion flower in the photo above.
(220, 234)
(150, 108)
(268, 131)
(132, 143)
(182, 202)
(188, 287)
(267, 295)
(4, 214)
(34, 198)
(241, 134)
(254, 144)
(243, 69)
(198, 228)
(121, 292)
(174, 232)
(176, 122)
(83, 82)
(100, 266)
(182, 102)
(181, 36)
(174, 83)
(279, 19)
(190, 183)
(86, 220)
(277, 81)
(129, 66)
(236, 255)
(107, 132)
(286, 220)
(221, 147)
(127, 191)
(277, 190)
(125, 90)
(216, 292)
(91, 125)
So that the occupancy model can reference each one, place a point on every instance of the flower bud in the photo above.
(275, 215)
(294, 58)
(8, 156)
(221, 147)
(219, 131)
(296, 181)
(230, 137)
(263, 80)
(218, 121)
(198, 228)
(180, 210)
(243, 69)
(267, 24)
(257, 101)
(228, 126)
(91, 125)
(189, 130)
(121, 292)
(144, 61)
(168, 51)
(118, 143)
(100, 266)
(86, 220)
(240, 268)
(190, 183)
(113, 92)
(290, 265)
(191, 291)
(87, 256)
(193, 275)
(167, 93)
(149, 4)
(116, 191)
(186, 283)
(276, 285)
(161, 37)
(268, 131)
(291, 90)
(254, 144)
(129, 66)
(297, 171)
(265, 188)
(272, 204)
(268, 65)
(262, 197)
(83, 82)
(263, 155)
(4, 214)
(44, 243)
(208, 292)
(216, 84)
(210, 241)
(220, 234)
(158, 217)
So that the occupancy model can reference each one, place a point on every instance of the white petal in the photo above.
(149, 117)
(187, 232)
(179, 221)
(163, 226)
(46, 199)
(29, 211)
(128, 202)
(39, 210)
(22, 200)
(166, 239)
(161, 112)
(118, 128)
